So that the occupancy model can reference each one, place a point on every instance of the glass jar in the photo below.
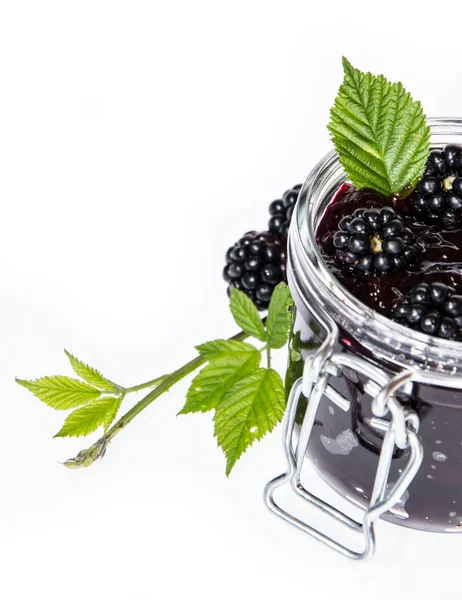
(345, 441)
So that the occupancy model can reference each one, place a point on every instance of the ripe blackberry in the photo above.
(255, 265)
(375, 241)
(433, 308)
(281, 212)
(439, 192)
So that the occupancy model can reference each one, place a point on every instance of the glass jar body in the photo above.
(345, 445)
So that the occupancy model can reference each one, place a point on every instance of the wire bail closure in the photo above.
(401, 430)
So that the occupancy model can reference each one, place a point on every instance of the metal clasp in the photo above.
(401, 431)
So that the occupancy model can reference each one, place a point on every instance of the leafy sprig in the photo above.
(248, 400)
(379, 132)
(98, 398)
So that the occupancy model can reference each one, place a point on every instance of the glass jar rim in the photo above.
(309, 272)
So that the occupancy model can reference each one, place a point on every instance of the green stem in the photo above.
(268, 357)
(87, 457)
(148, 384)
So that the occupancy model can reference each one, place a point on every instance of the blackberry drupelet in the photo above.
(439, 192)
(432, 308)
(281, 212)
(255, 265)
(375, 241)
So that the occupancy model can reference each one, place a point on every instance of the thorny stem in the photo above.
(148, 384)
(87, 457)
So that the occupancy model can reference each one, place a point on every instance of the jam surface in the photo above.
(440, 259)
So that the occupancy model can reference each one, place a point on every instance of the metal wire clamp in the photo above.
(401, 431)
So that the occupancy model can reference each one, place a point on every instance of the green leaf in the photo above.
(220, 348)
(87, 419)
(208, 387)
(246, 315)
(61, 393)
(279, 317)
(112, 412)
(379, 132)
(248, 411)
(89, 374)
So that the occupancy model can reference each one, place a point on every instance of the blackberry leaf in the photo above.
(278, 320)
(222, 348)
(111, 413)
(60, 392)
(248, 411)
(379, 132)
(216, 378)
(246, 315)
(87, 419)
(89, 374)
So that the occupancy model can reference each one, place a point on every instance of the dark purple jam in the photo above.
(440, 259)
(344, 447)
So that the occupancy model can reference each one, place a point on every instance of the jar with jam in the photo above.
(375, 369)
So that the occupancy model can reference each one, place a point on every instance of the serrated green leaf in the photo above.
(246, 315)
(89, 374)
(208, 387)
(220, 348)
(87, 419)
(278, 320)
(379, 132)
(112, 412)
(248, 411)
(60, 392)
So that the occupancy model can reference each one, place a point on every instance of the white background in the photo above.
(137, 141)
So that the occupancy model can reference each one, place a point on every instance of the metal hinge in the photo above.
(400, 431)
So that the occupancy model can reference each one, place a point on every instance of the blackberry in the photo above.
(281, 212)
(255, 265)
(375, 240)
(432, 308)
(439, 192)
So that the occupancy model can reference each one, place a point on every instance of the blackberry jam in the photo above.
(440, 257)
(345, 444)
